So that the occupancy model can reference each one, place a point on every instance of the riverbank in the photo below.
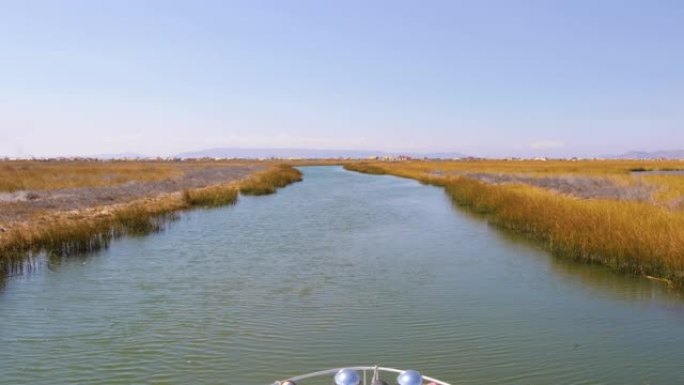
(93, 226)
(30, 188)
(636, 236)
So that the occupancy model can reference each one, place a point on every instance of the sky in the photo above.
(486, 78)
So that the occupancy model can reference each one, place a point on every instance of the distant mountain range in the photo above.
(253, 153)
(123, 155)
(669, 154)
(225, 152)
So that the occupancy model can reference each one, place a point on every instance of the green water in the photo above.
(341, 269)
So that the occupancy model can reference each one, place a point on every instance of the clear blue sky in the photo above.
(491, 78)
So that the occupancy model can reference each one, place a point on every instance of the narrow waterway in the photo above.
(341, 269)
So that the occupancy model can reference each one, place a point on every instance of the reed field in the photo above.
(642, 236)
(267, 182)
(211, 196)
(88, 229)
(37, 175)
(534, 167)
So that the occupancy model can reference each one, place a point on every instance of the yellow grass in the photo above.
(550, 167)
(266, 182)
(211, 196)
(636, 237)
(32, 175)
(49, 175)
(69, 233)
(670, 189)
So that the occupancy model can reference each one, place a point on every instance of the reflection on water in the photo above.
(15, 266)
(602, 282)
(338, 270)
(588, 276)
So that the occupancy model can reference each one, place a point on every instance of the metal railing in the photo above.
(363, 369)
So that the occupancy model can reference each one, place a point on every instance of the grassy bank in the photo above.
(212, 196)
(540, 168)
(668, 189)
(34, 175)
(40, 175)
(267, 182)
(634, 237)
(65, 233)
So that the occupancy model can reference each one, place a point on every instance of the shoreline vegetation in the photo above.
(639, 236)
(64, 233)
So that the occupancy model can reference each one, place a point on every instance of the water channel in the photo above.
(341, 269)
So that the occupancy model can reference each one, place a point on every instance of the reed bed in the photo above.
(17, 175)
(669, 189)
(34, 175)
(267, 182)
(534, 167)
(92, 229)
(634, 237)
(211, 196)
(88, 231)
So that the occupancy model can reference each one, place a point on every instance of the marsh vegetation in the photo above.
(267, 182)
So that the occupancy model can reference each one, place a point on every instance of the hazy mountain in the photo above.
(123, 155)
(301, 153)
(669, 154)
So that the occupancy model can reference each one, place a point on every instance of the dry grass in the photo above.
(21, 205)
(51, 175)
(32, 175)
(636, 237)
(628, 236)
(540, 168)
(667, 190)
(91, 229)
(267, 182)
(70, 233)
(211, 196)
